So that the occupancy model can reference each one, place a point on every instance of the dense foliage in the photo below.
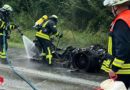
(80, 15)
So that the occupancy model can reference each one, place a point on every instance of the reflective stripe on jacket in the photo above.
(124, 66)
(41, 34)
(48, 29)
(3, 26)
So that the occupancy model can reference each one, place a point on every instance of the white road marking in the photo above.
(55, 77)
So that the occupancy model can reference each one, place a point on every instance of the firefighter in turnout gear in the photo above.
(118, 58)
(43, 35)
(5, 27)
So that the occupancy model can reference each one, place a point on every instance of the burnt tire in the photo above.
(80, 61)
(92, 65)
(85, 61)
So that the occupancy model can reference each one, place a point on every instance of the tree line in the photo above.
(80, 15)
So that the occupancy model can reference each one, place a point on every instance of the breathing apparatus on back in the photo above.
(38, 23)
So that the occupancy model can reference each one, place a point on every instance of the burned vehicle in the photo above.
(87, 59)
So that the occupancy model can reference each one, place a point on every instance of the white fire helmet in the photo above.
(114, 2)
(7, 7)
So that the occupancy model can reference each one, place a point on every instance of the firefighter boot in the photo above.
(49, 61)
(3, 58)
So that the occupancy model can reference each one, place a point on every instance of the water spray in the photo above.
(12, 68)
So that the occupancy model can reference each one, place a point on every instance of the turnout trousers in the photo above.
(2, 51)
(46, 49)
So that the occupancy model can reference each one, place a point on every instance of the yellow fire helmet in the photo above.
(114, 2)
(7, 7)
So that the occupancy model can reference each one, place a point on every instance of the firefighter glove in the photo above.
(61, 35)
(14, 26)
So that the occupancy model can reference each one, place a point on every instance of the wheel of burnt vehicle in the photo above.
(85, 61)
(93, 64)
(80, 60)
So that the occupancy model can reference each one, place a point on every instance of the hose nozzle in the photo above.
(20, 32)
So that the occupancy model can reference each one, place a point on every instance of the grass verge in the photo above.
(70, 38)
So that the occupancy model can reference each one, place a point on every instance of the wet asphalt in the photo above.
(19, 58)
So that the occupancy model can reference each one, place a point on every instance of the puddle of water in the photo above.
(29, 47)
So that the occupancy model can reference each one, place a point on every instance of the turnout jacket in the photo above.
(48, 28)
(4, 24)
(118, 58)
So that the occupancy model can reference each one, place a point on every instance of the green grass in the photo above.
(70, 38)
(16, 40)
(83, 39)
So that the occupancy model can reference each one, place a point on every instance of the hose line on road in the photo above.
(12, 68)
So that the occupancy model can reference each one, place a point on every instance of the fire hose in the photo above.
(12, 68)
(20, 32)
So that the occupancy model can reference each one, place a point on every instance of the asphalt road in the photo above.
(44, 77)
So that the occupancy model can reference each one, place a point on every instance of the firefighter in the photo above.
(5, 27)
(43, 35)
(118, 58)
